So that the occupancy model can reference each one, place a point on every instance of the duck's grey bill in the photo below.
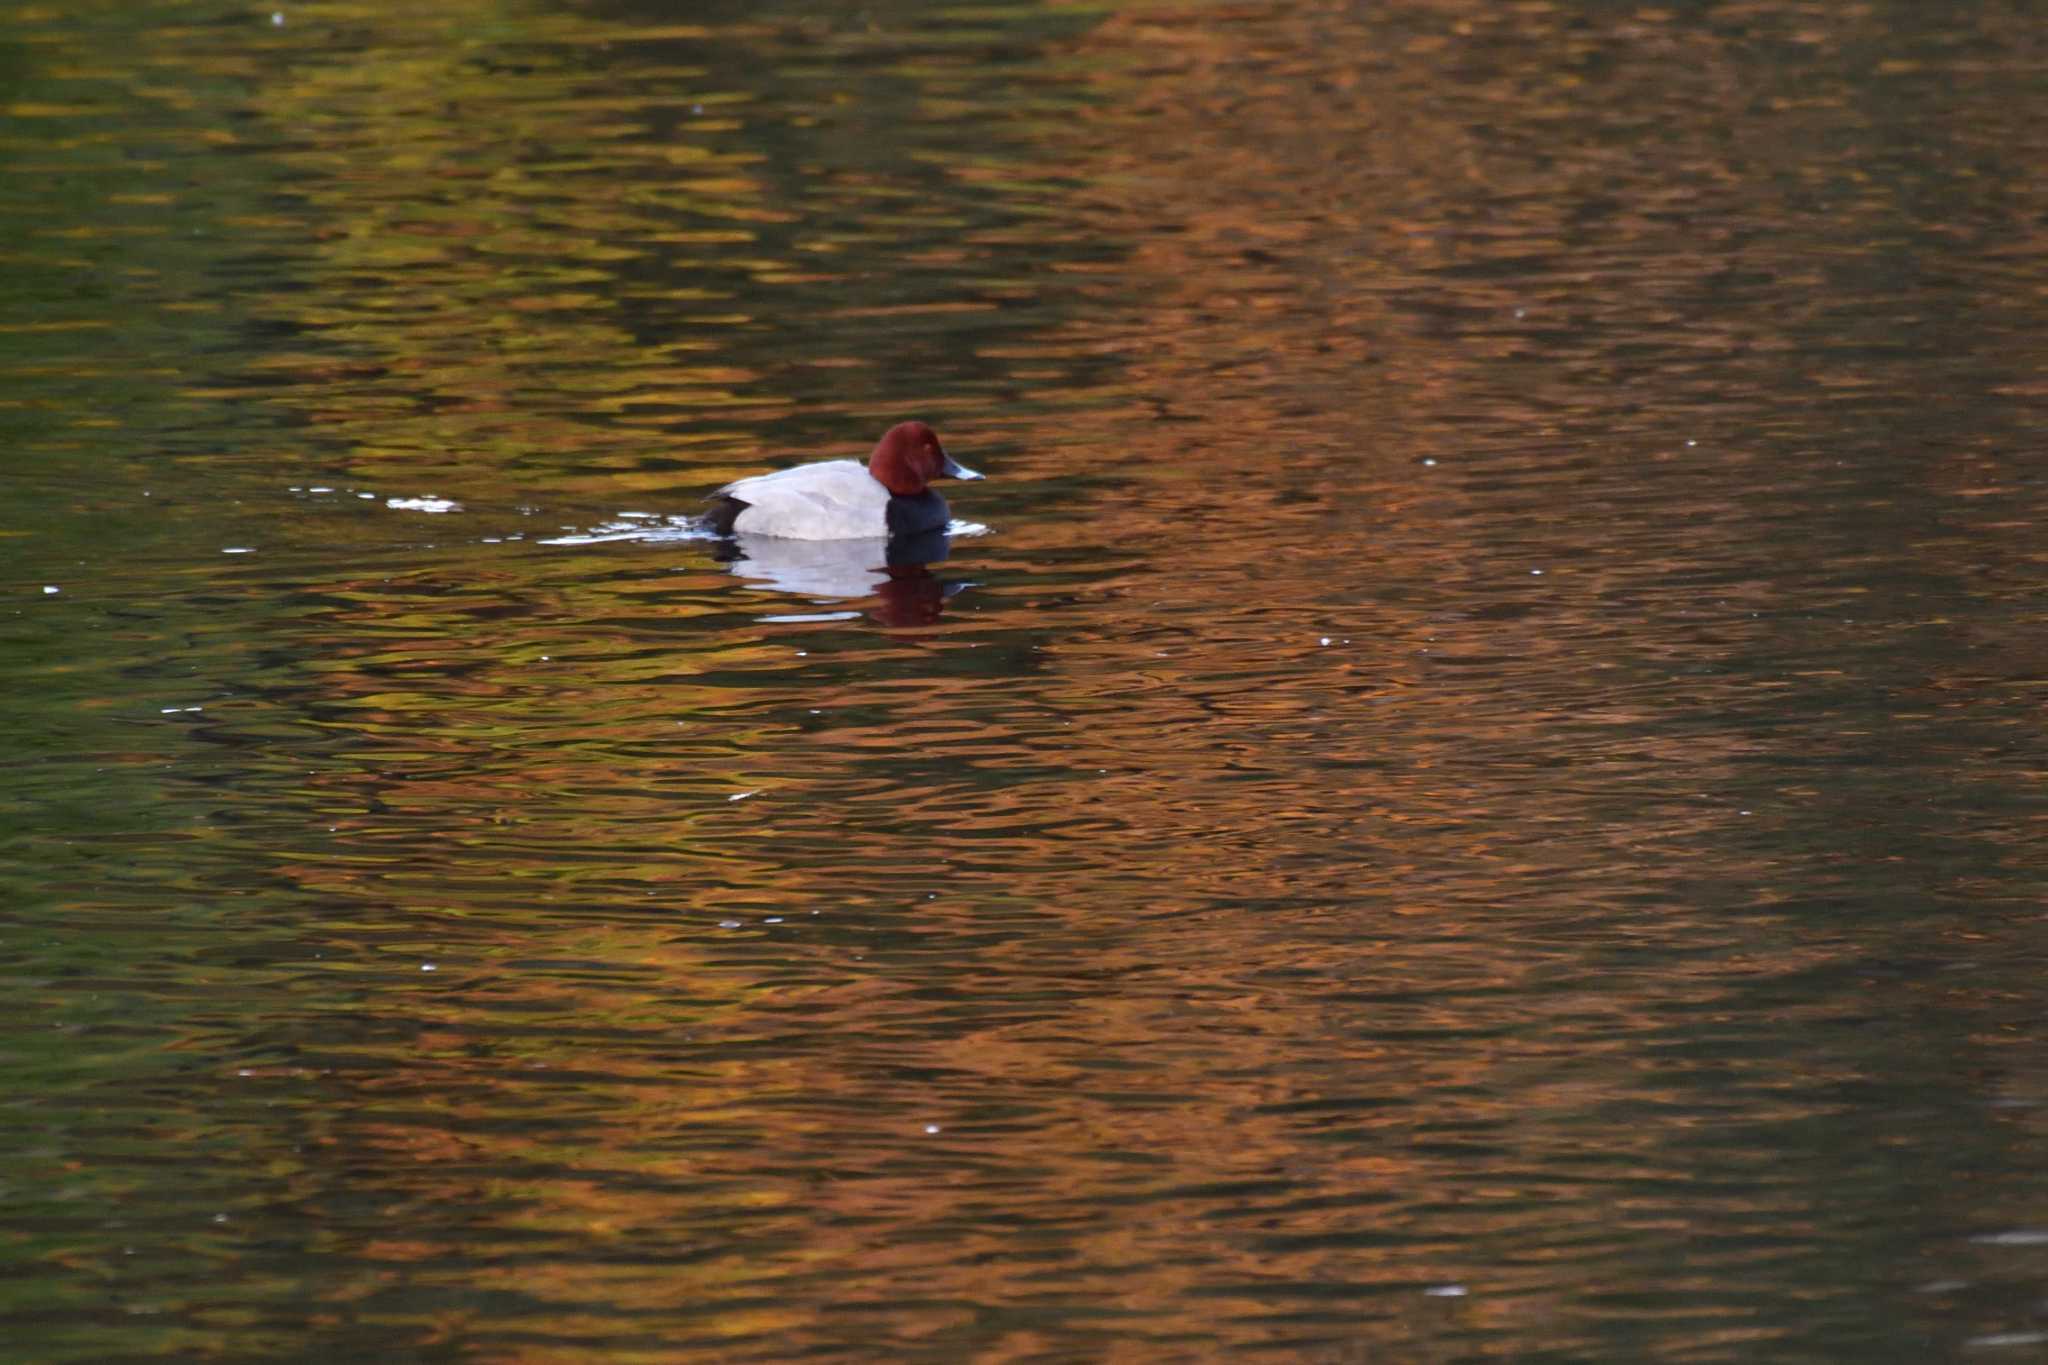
(953, 469)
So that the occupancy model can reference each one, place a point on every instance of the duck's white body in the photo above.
(830, 500)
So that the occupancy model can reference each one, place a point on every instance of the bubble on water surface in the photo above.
(436, 505)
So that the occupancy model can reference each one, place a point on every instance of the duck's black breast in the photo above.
(911, 516)
(918, 548)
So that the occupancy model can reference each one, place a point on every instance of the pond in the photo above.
(1469, 786)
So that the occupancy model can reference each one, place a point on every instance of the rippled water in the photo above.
(1470, 787)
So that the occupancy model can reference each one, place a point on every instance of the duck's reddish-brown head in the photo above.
(909, 457)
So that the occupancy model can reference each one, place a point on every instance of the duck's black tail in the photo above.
(724, 509)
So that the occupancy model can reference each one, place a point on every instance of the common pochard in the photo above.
(889, 496)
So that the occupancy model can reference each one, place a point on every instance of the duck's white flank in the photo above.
(820, 501)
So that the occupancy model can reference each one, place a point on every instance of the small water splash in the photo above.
(636, 526)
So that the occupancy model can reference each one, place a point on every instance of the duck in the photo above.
(889, 496)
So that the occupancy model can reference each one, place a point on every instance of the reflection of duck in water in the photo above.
(891, 570)
(890, 496)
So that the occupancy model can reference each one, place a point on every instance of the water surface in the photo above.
(1470, 788)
